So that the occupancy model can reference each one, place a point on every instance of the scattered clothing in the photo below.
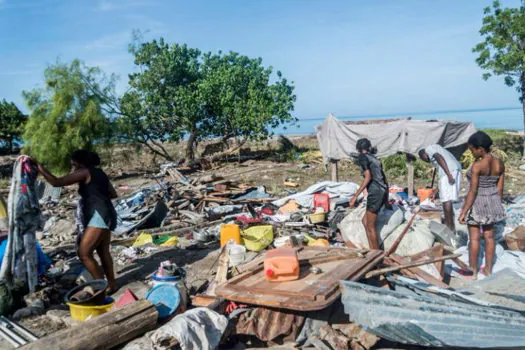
(4, 223)
(79, 220)
(21, 258)
(487, 208)
(43, 261)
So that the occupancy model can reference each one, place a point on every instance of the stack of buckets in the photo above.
(231, 235)
(166, 281)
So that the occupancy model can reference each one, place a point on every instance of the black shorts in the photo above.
(376, 199)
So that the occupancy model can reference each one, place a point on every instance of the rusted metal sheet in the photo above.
(428, 320)
(311, 291)
(267, 324)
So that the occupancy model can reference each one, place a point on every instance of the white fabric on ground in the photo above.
(336, 190)
(352, 228)
(199, 328)
(505, 259)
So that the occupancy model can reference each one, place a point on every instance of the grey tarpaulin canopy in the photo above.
(337, 139)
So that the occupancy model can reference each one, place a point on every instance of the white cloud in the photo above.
(113, 41)
(17, 72)
(112, 5)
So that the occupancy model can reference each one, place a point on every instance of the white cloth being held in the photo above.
(448, 192)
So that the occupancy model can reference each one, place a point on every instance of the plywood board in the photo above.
(311, 291)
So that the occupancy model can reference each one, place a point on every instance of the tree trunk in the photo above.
(163, 153)
(190, 147)
(523, 108)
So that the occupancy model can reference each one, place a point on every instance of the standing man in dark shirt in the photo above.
(376, 186)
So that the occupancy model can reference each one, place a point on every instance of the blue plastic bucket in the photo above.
(166, 298)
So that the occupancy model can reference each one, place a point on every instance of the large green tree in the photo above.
(163, 101)
(12, 122)
(180, 92)
(242, 97)
(67, 113)
(502, 52)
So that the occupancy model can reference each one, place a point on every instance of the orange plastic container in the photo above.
(281, 264)
(424, 193)
(230, 231)
(322, 200)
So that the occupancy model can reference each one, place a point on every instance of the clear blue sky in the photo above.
(346, 57)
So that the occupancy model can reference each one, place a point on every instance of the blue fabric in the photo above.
(97, 221)
(43, 260)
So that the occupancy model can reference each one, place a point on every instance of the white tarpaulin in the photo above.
(337, 139)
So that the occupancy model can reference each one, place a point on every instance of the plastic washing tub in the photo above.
(81, 312)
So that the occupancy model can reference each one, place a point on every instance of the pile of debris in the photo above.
(296, 270)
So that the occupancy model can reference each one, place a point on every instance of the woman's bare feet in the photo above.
(112, 288)
(486, 271)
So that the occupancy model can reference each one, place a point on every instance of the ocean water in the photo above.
(495, 118)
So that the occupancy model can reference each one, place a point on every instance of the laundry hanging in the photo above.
(21, 259)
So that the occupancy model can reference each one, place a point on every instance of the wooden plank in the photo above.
(410, 177)
(434, 252)
(335, 170)
(311, 291)
(103, 332)
(222, 271)
(401, 235)
(420, 273)
(424, 261)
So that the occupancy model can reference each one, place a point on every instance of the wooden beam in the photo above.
(410, 179)
(222, 270)
(103, 332)
(410, 264)
(398, 240)
(420, 273)
(335, 170)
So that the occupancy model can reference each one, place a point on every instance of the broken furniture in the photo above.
(314, 290)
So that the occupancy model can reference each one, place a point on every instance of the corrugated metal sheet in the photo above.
(478, 292)
(429, 321)
(267, 324)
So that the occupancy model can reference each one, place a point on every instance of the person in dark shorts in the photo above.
(377, 187)
(98, 214)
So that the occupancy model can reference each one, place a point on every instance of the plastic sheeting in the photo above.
(337, 139)
(352, 228)
(417, 239)
(336, 190)
(505, 259)
(199, 328)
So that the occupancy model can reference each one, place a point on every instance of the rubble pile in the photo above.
(192, 257)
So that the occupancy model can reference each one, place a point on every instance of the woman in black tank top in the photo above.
(98, 214)
(374, 181)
